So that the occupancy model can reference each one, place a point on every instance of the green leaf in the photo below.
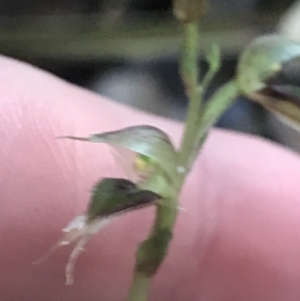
(145, 140)
(263, 60)
(112, 196)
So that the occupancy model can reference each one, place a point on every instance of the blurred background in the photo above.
(128, 50)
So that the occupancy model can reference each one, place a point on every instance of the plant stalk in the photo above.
(140, 287)
(220, 101)
(189, 74)
(152, 251)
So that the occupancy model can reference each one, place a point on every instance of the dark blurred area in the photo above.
(128, 50)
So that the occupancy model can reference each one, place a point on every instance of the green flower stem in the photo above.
(220, 101)
(152, 251)
(140, 287)
(189, 74)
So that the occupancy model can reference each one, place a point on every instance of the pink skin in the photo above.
(239, 238)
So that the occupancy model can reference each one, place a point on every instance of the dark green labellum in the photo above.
(113, 196)
(288, 74)
(283, 101)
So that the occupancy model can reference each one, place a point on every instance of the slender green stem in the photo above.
(140, 288)
(152, 251)
(220, 101)
(189, 74)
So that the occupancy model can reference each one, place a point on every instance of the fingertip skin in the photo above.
(238, 238)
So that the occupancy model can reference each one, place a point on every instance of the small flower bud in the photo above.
(189, 10)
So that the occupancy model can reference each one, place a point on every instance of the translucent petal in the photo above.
(145, 140)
